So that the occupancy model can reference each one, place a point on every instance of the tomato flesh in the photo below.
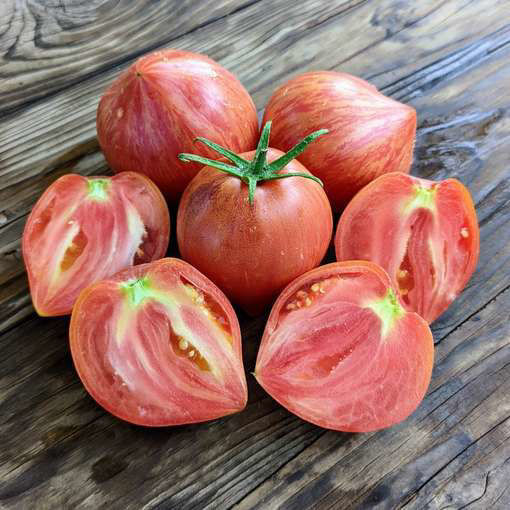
(159, 344)
(84, 229)
(339, 349)
(423, 233)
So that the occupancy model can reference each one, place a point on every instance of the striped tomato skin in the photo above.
(156, 108)
(369, 135)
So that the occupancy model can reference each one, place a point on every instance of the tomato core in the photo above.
(137, 290)
(424, 198)
(98, 188)
(388, 310)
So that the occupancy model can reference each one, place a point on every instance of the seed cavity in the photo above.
(74, 250)
(183, 348)
(305, 297)
(209, 306)
(144, 250)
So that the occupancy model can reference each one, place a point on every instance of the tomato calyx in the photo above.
(137, 290)
(98, 188)
(389, 310)
(424, 198)
(252, 172)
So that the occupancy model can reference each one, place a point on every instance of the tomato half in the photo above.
(251, 251)
(83, 229)
(159, 344)
(369, 134)
(339, 350)
(423, 233)
(156, 108)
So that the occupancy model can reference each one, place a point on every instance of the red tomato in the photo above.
(252, 251)
(83, 229)
(369, 133)
(423, 233)
(159, 344)
(339, 350)
(155, 109)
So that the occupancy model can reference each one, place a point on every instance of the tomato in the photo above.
(155, 109)
(252, 250)
(370, 134)
(83, 229)
(340, 351)
(159, 344)
(423, 233)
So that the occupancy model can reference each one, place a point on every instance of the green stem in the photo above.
(232, 170)
(258, 169)
(252, 184)
(296, 174)
(282, 161)
(232, 156)
(261, 152)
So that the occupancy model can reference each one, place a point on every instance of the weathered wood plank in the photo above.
(50, 46)
(60, 450)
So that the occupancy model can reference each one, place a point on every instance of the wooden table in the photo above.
(58, 449)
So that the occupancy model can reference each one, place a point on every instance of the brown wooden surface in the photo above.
(58, 449)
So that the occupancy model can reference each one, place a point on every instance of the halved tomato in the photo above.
(159, 344)
(84, 229)
(423, 233)
(339, 349)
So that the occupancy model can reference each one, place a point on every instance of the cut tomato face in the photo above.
(423, 233)
(83, 229)
(159, 344)
(339, 349)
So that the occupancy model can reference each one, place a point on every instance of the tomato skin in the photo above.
(369, 134)
(127, 347)
(158, 106)
(330, 360)
(252, 252)
(73, 238)
(441, 238)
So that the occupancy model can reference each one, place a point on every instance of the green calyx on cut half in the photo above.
(258, 169)
(98, 188)
(137, 290)
(424, 198)
(389, 310)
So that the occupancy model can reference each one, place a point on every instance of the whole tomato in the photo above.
(84, 229)
(369, 133)
(423, 233)
(254, 227)
(154, 110)
(340, 350)
(159, 344)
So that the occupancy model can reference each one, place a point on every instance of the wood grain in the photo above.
(48, 46)
(58, 449)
